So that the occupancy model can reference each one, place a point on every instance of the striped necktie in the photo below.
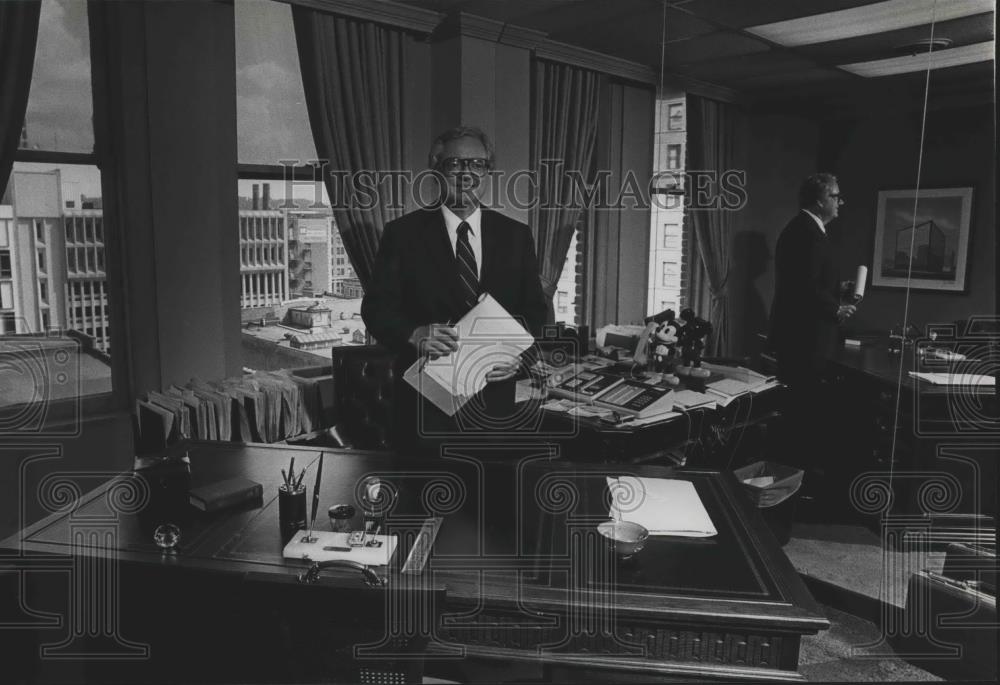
(467, 266)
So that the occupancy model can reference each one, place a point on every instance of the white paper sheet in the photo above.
(487, 336)
(955, 378)
(662, 506)
(314, 551)
(691, 399)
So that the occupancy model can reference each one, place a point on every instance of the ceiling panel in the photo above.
(962, 31)
(549, 15)
(625, 24)
(743, 13)
(731, 71)
(712, 46)
(705, 39)
(797, 78)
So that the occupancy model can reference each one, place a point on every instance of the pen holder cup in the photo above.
(291, 511)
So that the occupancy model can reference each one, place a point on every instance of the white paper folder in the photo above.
(660, 505)
(487, 336)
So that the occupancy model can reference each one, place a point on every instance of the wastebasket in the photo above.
(773, 487)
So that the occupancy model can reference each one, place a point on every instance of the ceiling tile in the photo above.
(880, 17)
(732, 70)
(712, 46)
(742, 13)
(965, 31)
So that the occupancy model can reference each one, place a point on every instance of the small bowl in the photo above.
(626, 538)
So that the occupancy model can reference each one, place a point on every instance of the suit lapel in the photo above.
(442, 257)
(491, 252)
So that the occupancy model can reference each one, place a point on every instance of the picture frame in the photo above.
(939, 236)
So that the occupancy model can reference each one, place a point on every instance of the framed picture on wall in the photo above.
(922, 241)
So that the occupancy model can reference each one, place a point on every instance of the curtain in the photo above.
(18, 35)
(352, 73)
(712, 147)
(565, 127)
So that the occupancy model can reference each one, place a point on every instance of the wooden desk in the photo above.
(526, 576)
(716, 437)
(933, 447)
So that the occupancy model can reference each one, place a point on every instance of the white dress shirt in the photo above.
(819, 222)
(475, 220)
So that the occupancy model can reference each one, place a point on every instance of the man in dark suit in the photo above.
(804, 318)
(431, 266)
(807, 307)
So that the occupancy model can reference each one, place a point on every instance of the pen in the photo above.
(450, 323)
(315, 507)
(291, 470)
(284, 477)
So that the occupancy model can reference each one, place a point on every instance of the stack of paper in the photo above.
(488, 336)
(260, 407)
(685, 400)
(955, 378)
(726, 390)
(660, 505)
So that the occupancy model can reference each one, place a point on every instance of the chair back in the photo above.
(363, 379)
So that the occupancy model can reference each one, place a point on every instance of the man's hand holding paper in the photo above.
(435, 340)
(486, 349)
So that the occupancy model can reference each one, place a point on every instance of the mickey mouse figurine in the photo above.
(692, 342)
(663, 341)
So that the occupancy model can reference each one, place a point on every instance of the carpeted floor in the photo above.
(851, 557)
(838, 655)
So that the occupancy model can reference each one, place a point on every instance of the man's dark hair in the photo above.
(812, 188)
(434, 156)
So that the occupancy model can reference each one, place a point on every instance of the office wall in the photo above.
(881, 153)
(781, 151)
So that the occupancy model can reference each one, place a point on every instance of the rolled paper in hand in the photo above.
(859, 282)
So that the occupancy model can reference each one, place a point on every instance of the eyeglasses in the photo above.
(837, 197)
(476, 165)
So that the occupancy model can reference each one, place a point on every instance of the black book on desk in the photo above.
(225, 493)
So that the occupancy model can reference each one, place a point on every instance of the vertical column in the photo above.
(478, 81)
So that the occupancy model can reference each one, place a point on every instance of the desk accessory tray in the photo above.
(320, 547)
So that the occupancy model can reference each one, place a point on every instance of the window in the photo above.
(6, 295)
(666, 263)
(55, 175)
(569, 290)
(281, 224)
(674, 158)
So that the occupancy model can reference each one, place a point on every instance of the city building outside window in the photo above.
(667, 277)
(47, 354)
(292, 257)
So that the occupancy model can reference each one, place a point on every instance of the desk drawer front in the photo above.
(643, 641)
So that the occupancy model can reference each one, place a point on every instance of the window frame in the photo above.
(85, 407)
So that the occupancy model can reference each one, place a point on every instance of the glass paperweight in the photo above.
(167, 536)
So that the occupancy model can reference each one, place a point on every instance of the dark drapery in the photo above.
(566, 103)
(712, 139)
(18, 35)
(352, 73)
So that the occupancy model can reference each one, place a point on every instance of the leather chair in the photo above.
(363, 388)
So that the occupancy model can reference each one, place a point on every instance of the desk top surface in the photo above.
(518, 531)
(874, 360)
